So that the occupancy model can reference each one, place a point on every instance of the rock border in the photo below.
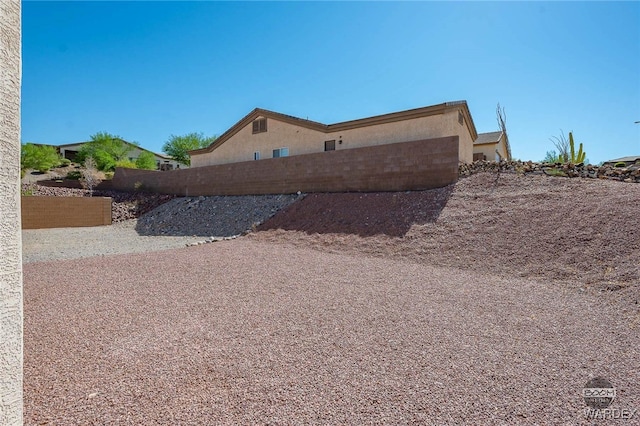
(630, 173)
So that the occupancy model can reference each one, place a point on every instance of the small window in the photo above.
(280, 152)
(460, 118)
(260, 125)
(256, 155)
(330, 145)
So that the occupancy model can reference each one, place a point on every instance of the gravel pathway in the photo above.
(248, 332)
(74, 243)
(174, 224)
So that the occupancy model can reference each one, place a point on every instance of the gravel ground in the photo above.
(489, 302)
(247, 332)
(583, 232)
(174, 224)
(74, 243)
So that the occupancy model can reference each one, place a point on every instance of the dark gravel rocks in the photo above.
(216, 216)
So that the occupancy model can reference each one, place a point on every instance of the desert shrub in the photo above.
(108, 175)
(620, 164)
(74, 174)
(38, 157)
(555, 172)
(552, 157)
(126, 164)
(64, 162)
(90, 176)
(146, 161)
(566, 150)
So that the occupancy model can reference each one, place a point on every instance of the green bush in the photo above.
(106, 149)
(620, 164)
(146, 161)
(108, 175)
(39, 157)
(125, 164)
(555, 172)
(64, 162)
(74, 174)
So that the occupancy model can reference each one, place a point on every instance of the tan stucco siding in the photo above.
(11, 295)
(489, 149)
(433, 126)
(300, 140)
(242, 145)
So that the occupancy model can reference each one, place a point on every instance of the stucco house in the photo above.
(491, 146)
(163, 162)
(632, 159)
(266, 134)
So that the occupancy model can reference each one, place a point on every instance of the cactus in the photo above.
(576, 159)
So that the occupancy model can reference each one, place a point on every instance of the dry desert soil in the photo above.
(492, 301)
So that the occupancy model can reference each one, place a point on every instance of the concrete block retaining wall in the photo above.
(63, 212)
(415, 165)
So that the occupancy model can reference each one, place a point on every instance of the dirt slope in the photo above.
(585, 232)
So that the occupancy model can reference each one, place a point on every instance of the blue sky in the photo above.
(147, 70)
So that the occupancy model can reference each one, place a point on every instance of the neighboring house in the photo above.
(492, 146)
(163, 162)
(266, 134)
(627, 160)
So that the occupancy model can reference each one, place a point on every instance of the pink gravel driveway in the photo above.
(248, 332)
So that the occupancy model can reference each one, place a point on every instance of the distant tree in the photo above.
(177, 147)
(146, 161)
(106, 149)
(39, 157)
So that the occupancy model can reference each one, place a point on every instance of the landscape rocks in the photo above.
(212, 217)
(626, 174)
